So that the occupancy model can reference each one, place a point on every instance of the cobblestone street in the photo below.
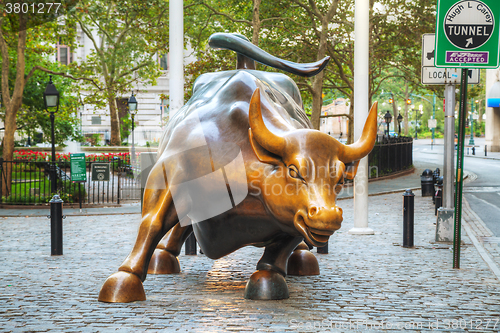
(367, 283)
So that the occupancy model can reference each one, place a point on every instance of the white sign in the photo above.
(468, 24)
(434, 75)
(437, 76)
(432, 123)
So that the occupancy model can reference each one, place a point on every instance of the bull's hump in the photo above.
(221, 92)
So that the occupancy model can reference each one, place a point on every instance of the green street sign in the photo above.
(78, 167)
(467, 34)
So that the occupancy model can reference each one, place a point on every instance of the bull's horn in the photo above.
(270, 141)
(364, 145)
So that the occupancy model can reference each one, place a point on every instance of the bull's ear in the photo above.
(264, 155)
(351, 169)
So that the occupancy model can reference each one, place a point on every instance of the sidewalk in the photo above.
(367, 283)
(438, 148)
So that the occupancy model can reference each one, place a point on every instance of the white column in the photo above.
(449, 147)
(176, 56)
(361, 108)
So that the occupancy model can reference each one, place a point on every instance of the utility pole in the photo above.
(176, 54)
(361, 93)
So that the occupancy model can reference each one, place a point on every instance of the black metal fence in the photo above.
(31, 183)
(390, 155)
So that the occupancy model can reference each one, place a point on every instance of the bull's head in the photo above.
(309, 168)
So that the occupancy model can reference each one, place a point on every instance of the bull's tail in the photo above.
(247, 52)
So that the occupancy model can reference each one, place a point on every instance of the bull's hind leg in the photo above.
(158, 216)
(268, 282)
(302, 261)
(164, 259)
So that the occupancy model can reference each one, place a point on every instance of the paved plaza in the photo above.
(367, 283)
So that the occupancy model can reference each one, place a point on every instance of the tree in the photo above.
(24, 39)
(33, 117)
(307, 30)
(126, 37)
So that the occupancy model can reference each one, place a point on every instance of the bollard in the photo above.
(408, 206)
(323, 249)
(56, 228)
(190, 245)
(435, 175)
(473, 150)
(485, 150)
(438, 202)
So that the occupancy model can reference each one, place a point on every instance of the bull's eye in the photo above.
(294, 173)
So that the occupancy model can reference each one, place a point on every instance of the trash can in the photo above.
(427, 183)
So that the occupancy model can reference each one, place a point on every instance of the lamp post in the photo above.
(388, 118)
(471, 140)
(421, 109)
(132, 107)
(400, 119)
(51, 99)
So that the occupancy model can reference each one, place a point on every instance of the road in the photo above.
(483, 194)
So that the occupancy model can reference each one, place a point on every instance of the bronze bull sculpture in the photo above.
(269, 179)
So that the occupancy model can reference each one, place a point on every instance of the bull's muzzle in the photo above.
(318, 223)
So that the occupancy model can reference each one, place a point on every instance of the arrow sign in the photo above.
(433, 75)
(469, 41)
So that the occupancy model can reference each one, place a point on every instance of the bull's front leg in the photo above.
(158, 216)
(268, 282)
(303, 262)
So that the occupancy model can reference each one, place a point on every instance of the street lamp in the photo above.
(132, 107)
(471, 140)
(421, 109)
(400, 119)
(51, 100)
(388, 118)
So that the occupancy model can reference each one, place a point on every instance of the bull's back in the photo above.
(220, 101)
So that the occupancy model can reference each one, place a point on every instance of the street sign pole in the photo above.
(466, 37)
(462, 115)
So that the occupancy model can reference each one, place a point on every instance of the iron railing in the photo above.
(390, 155)
(31, 183)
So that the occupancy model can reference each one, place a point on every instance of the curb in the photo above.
(473, 156)
(494, 267)
(383, 193)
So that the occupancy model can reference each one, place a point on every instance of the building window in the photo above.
(96, 120)
(164, 62)
(63, 54)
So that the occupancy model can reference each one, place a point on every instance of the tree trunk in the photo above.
(256, 22)
(12, 104)
(317, 91)
(350, 133)
(8, 147)
(405, 120)
(115, 121)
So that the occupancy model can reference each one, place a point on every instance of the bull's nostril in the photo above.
(313, 211)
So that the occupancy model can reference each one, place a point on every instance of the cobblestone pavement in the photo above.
(367, 283)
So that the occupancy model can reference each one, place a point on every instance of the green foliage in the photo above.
(125, 128)
(130, 36)
(22, 192)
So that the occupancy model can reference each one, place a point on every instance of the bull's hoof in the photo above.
(163, 262)
(266, 285)
(122, 287)
(302, 262)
